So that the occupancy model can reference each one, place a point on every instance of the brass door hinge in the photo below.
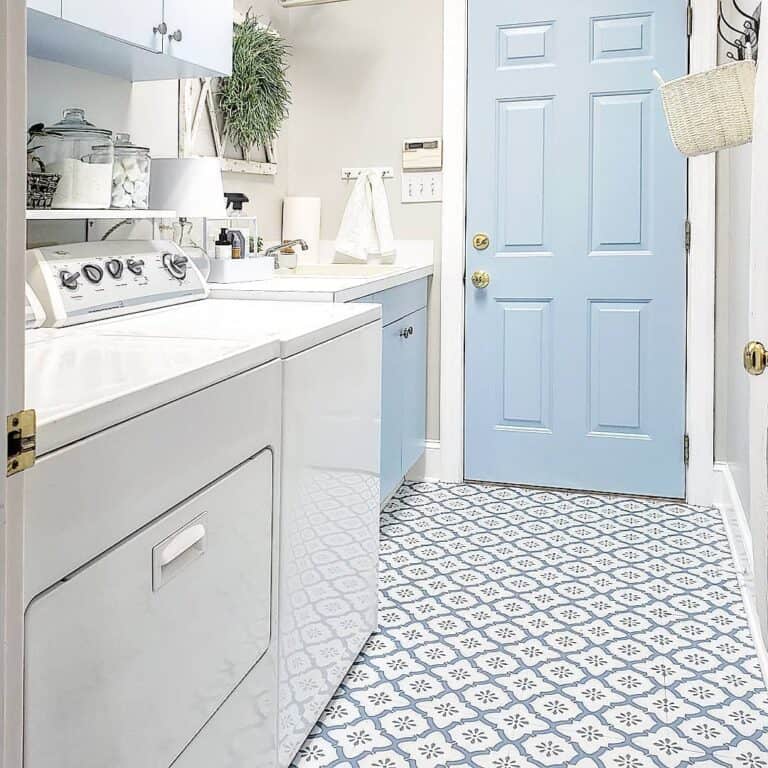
(686, 450)
(688, 237)
(21, 430)
(690, 18)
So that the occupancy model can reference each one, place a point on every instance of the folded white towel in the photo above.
(366, 228)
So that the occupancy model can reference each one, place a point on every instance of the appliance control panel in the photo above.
(83, 282)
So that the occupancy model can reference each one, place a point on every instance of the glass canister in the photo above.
(82, 155)
(130, 174)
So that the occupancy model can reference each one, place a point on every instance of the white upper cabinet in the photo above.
(137, 22)
(200, 31)
(134, 40)
(46, 6)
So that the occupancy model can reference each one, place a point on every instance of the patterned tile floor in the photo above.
(530, 629)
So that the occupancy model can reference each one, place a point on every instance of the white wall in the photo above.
(732, 316)
(734, 190)
(365, 75)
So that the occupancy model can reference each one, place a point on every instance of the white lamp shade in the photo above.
(191, 186)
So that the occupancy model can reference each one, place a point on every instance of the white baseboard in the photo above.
(740, 538)
(428, 467)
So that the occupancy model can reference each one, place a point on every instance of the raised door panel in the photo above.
(133, 22)
(205, 31)
(391, 410)
(414, 376)
(46, 6)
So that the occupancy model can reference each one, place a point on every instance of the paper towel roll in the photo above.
(301, 219)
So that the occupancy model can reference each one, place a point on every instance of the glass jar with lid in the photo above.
(82, 155)
(130, 174)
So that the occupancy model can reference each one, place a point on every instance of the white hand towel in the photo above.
(366, 228)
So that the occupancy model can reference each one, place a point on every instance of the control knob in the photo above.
(176, 264)
(135, 265)
(93, 273)
(69, 279)
(115, 268)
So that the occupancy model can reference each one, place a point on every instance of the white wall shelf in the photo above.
(61, 214)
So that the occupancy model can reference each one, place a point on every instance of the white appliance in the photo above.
(150, 521)
(329, 508)
(329, 489)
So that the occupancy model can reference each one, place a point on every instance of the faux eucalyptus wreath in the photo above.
(254, 99)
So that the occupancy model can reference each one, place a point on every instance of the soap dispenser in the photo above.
(223, 246)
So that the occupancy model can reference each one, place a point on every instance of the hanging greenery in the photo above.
(254, 99)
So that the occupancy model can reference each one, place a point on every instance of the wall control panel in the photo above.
(423, 154)
(92, 281)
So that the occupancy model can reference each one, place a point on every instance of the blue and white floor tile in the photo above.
(530, 629)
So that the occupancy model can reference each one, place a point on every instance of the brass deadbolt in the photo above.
(481, 279)
(755, 358)
(481, 241)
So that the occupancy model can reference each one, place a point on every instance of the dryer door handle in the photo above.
(172, 555)
(182, 543)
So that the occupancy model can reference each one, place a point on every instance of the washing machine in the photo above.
(150, 527)
(326, 577)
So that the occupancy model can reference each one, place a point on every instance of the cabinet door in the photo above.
(46, 6)
(133, 22)
(391, 410)
(205, 29)
(414, 381)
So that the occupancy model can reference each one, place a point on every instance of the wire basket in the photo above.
(712, 110)
(41, 188)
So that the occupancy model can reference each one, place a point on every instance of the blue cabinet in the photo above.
(404, 380)
(391, 410)
(414, 379)
(141, 40)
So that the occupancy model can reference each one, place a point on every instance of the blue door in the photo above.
(575, 350)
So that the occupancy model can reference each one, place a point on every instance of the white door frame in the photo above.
(700, 382)
(13, 110)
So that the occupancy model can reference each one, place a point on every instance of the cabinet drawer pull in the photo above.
(406, 333)
(161, 29)
(176, 36)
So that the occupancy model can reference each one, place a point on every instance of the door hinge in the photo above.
(688, 237)
(690, 18)
(21, 431)
(687, 450)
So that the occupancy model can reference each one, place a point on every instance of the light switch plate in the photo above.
(423, 187)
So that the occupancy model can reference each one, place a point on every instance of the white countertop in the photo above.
(327, 289)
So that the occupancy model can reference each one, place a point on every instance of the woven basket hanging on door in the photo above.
(713, 110)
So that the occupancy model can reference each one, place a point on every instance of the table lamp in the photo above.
(192, 187)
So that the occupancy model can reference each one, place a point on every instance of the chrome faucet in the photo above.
(274, 251)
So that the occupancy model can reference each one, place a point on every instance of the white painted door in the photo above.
(200, 31)
(134, 21)
(12, 242)
(758, 330)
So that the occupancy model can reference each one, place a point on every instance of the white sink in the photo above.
(339, 270)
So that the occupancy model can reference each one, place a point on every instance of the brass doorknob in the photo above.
(481, 279)
(755, 358)
(481, 241)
